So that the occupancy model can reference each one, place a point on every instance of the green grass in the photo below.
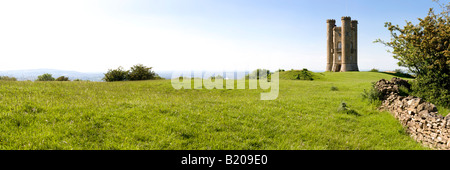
(153, 115)
(443, 111)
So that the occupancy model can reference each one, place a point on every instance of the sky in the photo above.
(97, 35)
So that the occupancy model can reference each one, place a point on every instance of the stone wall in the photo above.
(420, 118)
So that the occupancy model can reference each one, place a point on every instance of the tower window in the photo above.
(339, 57)
(339, 45)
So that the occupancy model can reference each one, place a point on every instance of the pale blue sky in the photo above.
(94, 35)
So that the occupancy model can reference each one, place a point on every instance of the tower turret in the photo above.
(345, 39)
(331, 23)
(354, 50)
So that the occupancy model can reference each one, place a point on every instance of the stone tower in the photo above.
(342, 45)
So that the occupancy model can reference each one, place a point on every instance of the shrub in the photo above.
(433, 89)
(374, 70)
(116, 75)
(137, 72)
(62, 78)
(6, 78)
(403, 91)
(141, 72)
(257, 74)
(334, 88)
(372, 95)
(305, 74)
(45, 77)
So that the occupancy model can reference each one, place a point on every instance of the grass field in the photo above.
(153, 115)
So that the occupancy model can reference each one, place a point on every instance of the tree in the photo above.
(6, 78)
(424, 49)
(141, 72)
(62, 78)
(45, 77)
(116, 75)
(137, 72)
(259, 73)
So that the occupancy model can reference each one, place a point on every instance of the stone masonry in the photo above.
(342, 45)
(420, 118)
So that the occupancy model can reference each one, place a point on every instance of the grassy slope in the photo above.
(152, 115)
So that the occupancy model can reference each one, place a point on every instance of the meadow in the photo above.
(151, 115)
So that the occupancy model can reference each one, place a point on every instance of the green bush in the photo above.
(305, 74)
(433, 89)
(257, 74)
(372, 95)
(6, 78)
(334, 88)
(141, 72)
(404, 91)
(423, 48)
(62, 78)
(137, 72)
(45, 77)
(116, 75)
(374, 70)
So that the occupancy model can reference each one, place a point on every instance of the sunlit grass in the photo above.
(153, 115)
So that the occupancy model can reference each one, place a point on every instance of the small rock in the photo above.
(433, 135)
(424, 113)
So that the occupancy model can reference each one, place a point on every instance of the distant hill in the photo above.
(32, 74)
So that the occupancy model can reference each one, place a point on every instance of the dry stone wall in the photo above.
(420, 118)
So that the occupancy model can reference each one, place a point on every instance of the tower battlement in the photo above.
(331, 20)
(346, 18)
(342, 45)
